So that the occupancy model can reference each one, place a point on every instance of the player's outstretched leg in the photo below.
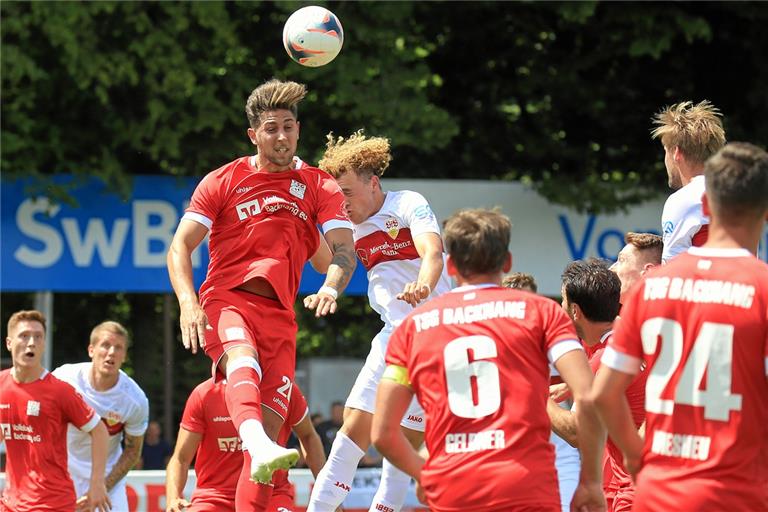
(392, 491)
(244, 405)
(335, 479)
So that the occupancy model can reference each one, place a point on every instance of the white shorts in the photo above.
(363, 394)
(118, 495)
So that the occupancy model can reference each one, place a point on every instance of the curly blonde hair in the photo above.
(365, 156)
(696, 129)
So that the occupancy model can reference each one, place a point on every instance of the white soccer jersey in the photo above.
(124, 407)
(682, 219)
(384, 244)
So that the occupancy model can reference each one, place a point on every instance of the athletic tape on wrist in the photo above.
(329, 291)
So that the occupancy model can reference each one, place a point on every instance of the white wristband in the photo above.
(329, 291)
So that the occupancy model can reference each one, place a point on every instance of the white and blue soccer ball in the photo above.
(313, 36)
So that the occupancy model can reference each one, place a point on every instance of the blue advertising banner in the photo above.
(105, 244)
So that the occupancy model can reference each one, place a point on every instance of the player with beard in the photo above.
(261, 212)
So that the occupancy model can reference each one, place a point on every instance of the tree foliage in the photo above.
(559, 95)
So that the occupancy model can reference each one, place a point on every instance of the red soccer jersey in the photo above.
(34, 418)
(636, 398)
(700, 323)
(478, 360)
(263, 224)
(219, 457)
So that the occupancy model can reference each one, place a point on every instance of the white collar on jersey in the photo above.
(468, 287)
(296, 162)
(721, 252)
(605, 335)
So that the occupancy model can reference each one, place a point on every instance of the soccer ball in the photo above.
(313, 36)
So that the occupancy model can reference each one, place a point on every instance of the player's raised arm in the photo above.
(321, 260)
(339, 273)
(178, 468)
(429, 246)
(192, 319)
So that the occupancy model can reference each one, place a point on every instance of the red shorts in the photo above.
(212, 504)
(239, 318)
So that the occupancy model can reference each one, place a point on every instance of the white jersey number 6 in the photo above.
(459, 372)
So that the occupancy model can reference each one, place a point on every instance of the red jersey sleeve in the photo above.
(559, 334)
(400, 343)
(297, 407)
(206, 200)
(76, 411)
(624, 351)
(193, 419)
(330, 210)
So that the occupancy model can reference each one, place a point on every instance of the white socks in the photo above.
(392, 489)
(255, 440)
(335, 479)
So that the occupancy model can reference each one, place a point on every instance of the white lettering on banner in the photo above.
(108, 247)
(608, 242)
(153, 223)
(145, 231)
(42, 233)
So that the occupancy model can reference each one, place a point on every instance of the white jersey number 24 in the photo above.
(711, 352)
(459, 372)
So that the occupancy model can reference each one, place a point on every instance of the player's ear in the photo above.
(677, 155)
(90, 350)
(705, 205)
(507, 263)
(252, 135)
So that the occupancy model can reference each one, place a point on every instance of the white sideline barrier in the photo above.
(146, 490)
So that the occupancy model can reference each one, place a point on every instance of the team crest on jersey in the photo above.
(112, 418)
(393, 227)
(297, 189)
(33, 408)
